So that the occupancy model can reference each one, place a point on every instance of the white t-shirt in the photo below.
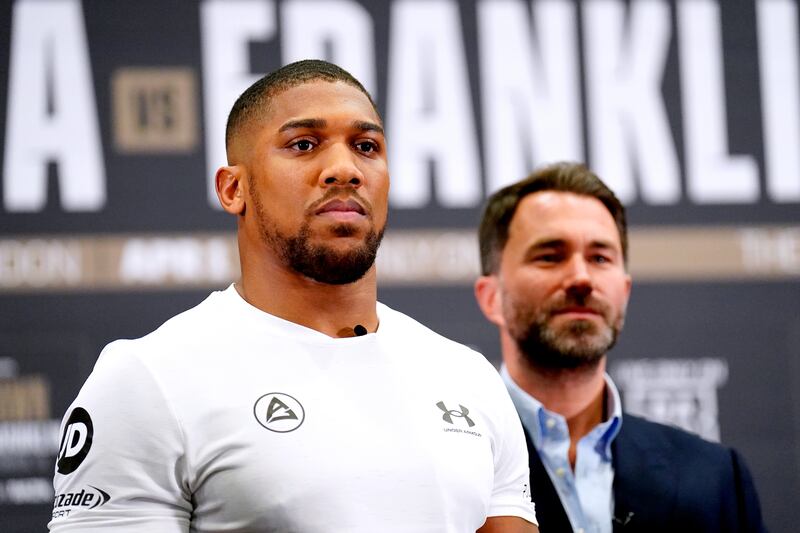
(228, 419)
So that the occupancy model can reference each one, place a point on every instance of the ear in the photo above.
(628, 286)
(490, 299)
(230, 185)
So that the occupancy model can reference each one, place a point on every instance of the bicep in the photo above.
(507, 524)
(120, 462)
(511, 492)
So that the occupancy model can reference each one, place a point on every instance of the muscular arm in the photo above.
(132, 462)
(507, 524)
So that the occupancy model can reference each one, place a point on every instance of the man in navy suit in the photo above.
(555, 282)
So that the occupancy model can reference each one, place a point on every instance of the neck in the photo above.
(330, 309)
(576, 394)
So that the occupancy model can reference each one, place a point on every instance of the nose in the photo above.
(578, 281)
(340, 168)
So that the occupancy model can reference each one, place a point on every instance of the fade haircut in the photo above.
(256, 98)
(563, 177)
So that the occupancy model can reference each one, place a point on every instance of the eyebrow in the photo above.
(561, 243)
(319, 123)
(368, 126)
(313, 123)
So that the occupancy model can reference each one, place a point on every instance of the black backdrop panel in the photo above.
(712, 340)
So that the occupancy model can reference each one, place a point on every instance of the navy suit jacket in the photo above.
(665, 479)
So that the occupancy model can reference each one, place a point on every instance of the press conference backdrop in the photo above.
(113, 114)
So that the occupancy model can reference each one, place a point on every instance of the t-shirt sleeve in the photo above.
(121, 463)
(511, 495)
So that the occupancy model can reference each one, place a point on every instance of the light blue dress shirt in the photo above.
(586, 494)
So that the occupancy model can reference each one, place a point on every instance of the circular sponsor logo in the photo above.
(279, 412)
(75, 441)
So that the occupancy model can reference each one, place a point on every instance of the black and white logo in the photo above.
(88, 498)
(75, 441)
(279, 412)
(461, 412)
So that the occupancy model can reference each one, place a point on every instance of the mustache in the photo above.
(340, 194)
(577, 300)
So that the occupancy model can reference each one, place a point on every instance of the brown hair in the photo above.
(565, 177)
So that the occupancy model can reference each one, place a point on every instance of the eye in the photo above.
(549, 257)
(600, 259)
(303, 145)
(367, 146)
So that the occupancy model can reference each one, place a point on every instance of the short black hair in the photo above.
(255, 99)
(565, 177)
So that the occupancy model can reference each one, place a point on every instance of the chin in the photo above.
(348, 229)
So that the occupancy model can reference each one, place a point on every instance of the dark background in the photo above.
(752, 323)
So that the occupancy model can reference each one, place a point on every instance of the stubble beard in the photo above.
(320, 262)
(573, 346)
(323, 263)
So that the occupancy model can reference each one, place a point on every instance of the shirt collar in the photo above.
(533, 414)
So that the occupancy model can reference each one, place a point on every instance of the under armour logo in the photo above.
(450, 413)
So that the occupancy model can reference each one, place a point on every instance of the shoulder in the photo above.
(192, 326)
(651, 457)
(439, 356)
(144, 374)
(422, 340)
(399, 325)
(198, 319)
(674, 441)
(160, 357)
(676, 436)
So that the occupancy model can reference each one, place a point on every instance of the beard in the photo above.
(577, 344)
(320, 262)
(323, 263)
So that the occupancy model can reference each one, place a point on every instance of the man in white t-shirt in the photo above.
(293, 401)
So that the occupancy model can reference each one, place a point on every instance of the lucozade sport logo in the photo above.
(75, 441)
(87, 498)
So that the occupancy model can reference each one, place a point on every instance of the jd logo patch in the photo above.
(75, 441)
(279, 412)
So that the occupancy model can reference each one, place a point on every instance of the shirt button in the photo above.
(580, 530)
(550, 423)
(560, 472)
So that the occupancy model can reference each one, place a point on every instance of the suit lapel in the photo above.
(645, 486)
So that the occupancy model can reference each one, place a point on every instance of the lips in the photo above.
(341, 206)
(578, 310)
